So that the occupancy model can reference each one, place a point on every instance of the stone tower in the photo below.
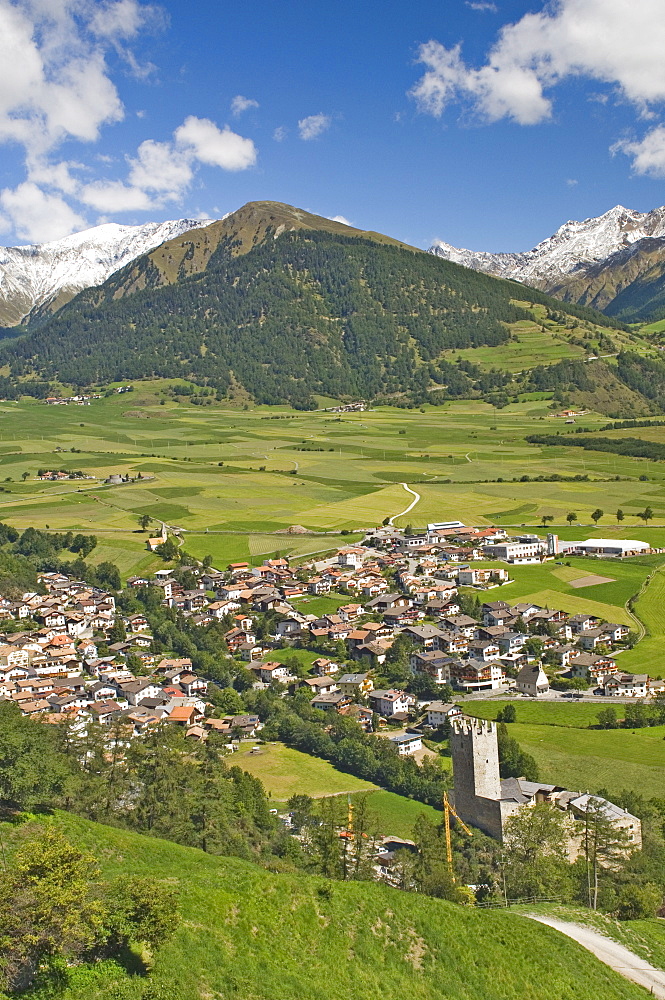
(475, 753)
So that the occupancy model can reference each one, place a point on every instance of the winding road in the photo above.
(411, 505)
(617, 956)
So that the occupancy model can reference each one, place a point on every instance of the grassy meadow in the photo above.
(286, 772)
(248, 933)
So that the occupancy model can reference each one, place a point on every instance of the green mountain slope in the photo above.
(284, 304)
(252, 935)
(237, 234)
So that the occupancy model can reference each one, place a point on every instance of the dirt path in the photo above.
(619, 958)
(411, 505)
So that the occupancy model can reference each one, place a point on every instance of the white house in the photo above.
(390, 702)
(532, 680)
(407, 743)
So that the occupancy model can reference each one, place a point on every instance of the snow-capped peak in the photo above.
(39, 274)
(573, 245)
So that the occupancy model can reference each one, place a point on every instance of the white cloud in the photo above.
(37, 216)
(240, 104)
(340, 218)
(160, 167)
(571, 182)
(54, 80)
(204, 141)
(124, 19)
(648, 154)
(161, 172)
(618, 42)
(314, 125)
(56, 87)
(116, 196)
(482, 5)
(280, 133)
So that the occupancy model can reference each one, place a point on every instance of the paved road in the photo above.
(619, 958)
(411, 505)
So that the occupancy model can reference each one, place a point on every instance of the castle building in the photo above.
(486, 801)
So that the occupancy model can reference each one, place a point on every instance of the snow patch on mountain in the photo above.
(38, 275)
(574, 246)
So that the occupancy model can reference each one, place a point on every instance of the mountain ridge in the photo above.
(590, 262)
(283, 304)
(40, 278)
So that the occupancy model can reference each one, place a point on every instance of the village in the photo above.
(69, 663)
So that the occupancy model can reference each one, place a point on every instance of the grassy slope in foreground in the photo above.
(252, 935)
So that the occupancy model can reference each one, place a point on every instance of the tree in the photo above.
(53, 904)
(646, 514)
(546, 519)
(301, 808)
(24, 476)
(50, 906)
(603, 844)
(513, 761)
(507, 714)
(32, 770)
(536, 858)
(571, 516)
(117, 632)
(168, 550)
(144, 520)
(108, 575)
(619, 515)
(607, 718)
(638, 902)
(596, 515)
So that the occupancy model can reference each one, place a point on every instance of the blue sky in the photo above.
(486, 124)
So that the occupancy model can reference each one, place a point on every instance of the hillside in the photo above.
(629, 284)
(283, 309)
(253, 935)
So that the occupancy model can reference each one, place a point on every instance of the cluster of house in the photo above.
(53, 671)
(394, 588)
(66, 400)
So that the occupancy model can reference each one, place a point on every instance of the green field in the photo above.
(590, 759)
(248, 934)
(286, 772)
(578, 715)
(649, 654)
(395, 815)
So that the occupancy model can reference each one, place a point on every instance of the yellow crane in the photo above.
(448, 811)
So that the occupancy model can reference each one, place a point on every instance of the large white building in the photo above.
(607, 547)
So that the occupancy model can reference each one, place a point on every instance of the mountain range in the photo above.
(39, 279)
(615, 263)
(275, 304)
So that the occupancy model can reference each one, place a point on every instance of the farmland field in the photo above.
(235, 481)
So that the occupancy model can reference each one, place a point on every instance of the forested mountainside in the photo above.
(300, 311)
